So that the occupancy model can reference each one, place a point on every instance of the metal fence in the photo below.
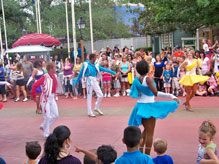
(122, 42)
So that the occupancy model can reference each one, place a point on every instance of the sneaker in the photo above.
(25, 99)
(17, 99)
(57, 98)
(91, 115)
(116, 95)
(124, 94)
(127, 94)
(105, 95)
(109, 95)
(98, 111)
(84, 97)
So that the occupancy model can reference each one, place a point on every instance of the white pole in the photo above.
(91, 28)
(74, 30)
(1, 44)
(3, 15)
(67, 28)
(39, 17)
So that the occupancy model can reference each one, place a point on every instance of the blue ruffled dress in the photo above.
(146, 106)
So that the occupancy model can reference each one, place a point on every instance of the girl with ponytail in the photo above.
(57, 148)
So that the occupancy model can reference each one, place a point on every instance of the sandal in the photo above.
(38, 112)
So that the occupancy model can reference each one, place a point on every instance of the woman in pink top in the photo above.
(106, 81)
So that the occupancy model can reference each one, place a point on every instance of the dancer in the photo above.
(191, 80)
(36, 75)
(91, 71)
(146, 111)
(47, 100)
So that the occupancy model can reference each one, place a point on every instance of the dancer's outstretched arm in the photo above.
(106, 70)
(153, 88)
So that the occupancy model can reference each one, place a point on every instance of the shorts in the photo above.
(166, 85)
(124, 79)
(21, 82)
(175, 83)
(117, 84)
(83, 83)
(105, 82)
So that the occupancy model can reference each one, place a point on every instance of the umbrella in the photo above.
(37, 39)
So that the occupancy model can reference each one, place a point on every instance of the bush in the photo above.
(144, 48)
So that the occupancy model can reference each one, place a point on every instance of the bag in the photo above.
(124, 75)
(130, 78)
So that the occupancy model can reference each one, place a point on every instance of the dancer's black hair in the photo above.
(55, 142)
(142, 67)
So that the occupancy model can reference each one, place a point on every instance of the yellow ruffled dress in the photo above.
(191, 78)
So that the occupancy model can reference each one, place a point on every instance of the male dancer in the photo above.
(47, 100)
(91, 71)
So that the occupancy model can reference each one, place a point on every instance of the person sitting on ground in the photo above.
(132, 139)
(202, 90)
(160, 147)
(57, 147)
(105, 154)
(33, 150)
(212, 84)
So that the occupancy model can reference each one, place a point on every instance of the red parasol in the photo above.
(36, 39)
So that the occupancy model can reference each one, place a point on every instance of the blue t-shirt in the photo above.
(166, 159)
(2, 75)
(135, 157)
(2, 161)
(175, 71)
(167, 75)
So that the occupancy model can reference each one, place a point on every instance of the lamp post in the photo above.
(81, 25)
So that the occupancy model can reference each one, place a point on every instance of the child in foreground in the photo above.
(33, 150)
(160, 147)
(132, 139)
(105, 154)
(207, 152)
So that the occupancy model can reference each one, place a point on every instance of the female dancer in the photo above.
(36, 75)
(191, 80)
(146, 111)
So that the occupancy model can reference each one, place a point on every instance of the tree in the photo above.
(162, 16)
(21, 15)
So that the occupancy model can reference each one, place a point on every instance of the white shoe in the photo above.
(17, 99)
(98, 111)
(109, 95)
(124, 94)
(57, 98)
(105, 95)
(127, 94)
(84, 97)
(25, 99)
(91, 115)
(116, 95)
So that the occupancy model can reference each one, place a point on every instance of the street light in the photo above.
(81, 25)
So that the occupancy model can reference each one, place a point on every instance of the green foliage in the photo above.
(162, 16)
(21, 16)
(144, 48)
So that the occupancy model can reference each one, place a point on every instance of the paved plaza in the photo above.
(19, 124)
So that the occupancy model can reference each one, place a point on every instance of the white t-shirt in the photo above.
(205, 47)
(204, 67)
(216, 64)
